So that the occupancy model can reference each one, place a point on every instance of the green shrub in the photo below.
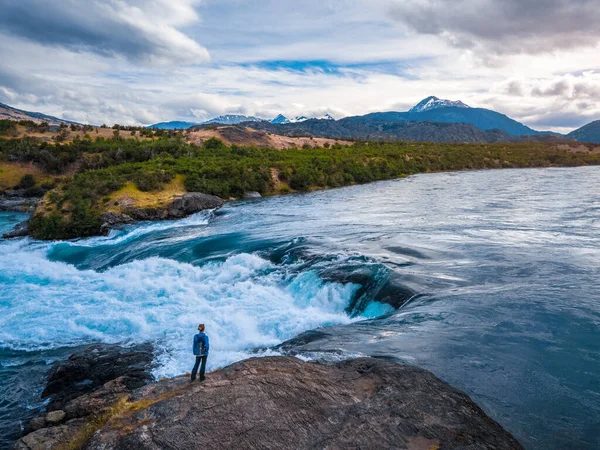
(7, 126)
(26, 182)
(147, 181)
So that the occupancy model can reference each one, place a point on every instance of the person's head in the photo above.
(201, 328)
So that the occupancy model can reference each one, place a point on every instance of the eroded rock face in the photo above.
(113, 220)
(85, 386)
(89, 369)
(50, 438)
(283, 403)
(180, 207)
(15, 203)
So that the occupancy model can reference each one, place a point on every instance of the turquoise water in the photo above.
(489, 279)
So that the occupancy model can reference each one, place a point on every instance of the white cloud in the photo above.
(142, 31)
(507, 26)
(133, 61)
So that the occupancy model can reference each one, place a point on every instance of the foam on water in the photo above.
(245, 301)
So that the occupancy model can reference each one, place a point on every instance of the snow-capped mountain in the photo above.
(434, 103)
(281, 119)
(326, 117)
(232, 119)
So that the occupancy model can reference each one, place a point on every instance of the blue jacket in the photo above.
(201, 345)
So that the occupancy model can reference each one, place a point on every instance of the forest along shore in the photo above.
(274, 402)
(89, 186)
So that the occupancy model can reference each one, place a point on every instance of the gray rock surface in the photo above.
(18, 204)
(52, 438)
(37, 423)
(182, 206)
(55, 417)
(251, 195)
(99, 400)
(283, 403)
(113, 220)
(192, 203)
(89, 369)
(20, 230)
(276, 403)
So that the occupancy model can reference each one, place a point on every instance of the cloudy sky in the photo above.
(144, 61)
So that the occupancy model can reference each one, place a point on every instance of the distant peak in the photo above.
(280, 119)
(433, 102)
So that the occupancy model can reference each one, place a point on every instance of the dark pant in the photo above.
(202, 367)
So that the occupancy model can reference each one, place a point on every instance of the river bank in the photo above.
(122, 177)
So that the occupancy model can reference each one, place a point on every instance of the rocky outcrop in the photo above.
(182, 206)
(95, 365)
(85, 387)
(50, 438)
(113, 220)
(16, 203)
(20, 230)
(192, 203)
(252, 195)
(282, 403)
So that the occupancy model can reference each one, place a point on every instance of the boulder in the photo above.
(251, 195)
(113, 220)
(36, 423)
(55, 417)
(192, 203)
(52, 438)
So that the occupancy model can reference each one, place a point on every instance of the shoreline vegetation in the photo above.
(84, 179)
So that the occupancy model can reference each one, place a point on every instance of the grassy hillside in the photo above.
(113, 175)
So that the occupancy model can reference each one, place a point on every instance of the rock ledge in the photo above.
(282, 403)
(180, 207)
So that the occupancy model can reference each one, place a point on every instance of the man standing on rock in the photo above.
(200, 349)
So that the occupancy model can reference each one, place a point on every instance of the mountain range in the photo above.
(353, 128)
(281, 119)
(228, 119)
(432, 119)
(430, 109)
(234, 119)
(433, 109)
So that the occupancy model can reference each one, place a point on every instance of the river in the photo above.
(490, 279)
